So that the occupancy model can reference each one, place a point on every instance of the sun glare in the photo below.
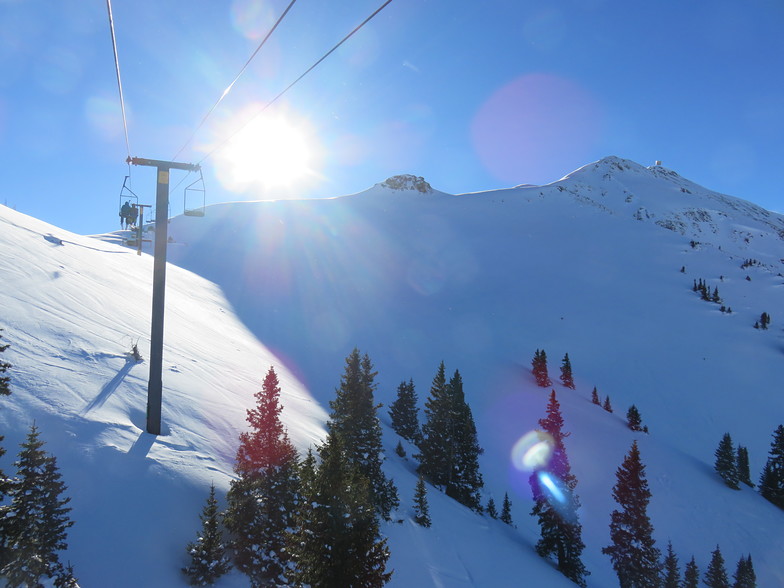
(270, 152)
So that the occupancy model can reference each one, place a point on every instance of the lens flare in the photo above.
(532, 451)
(552, 486)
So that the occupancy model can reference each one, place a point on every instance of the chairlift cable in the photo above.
(234, 81)
(119, 81)
(287, 88)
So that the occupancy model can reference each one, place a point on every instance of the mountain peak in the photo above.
(407, 182)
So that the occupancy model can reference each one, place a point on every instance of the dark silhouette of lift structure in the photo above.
(155, 384)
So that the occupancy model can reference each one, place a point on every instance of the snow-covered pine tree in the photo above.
(435, 447)
(716, 574)
(561, 532)
(405, 413)
(539, 369)
(491, 509)
(208, 559)
(506, 511)
(5, 390)
(691, 575)
(421, 507)
(335, 540)
(725, 465)
(354, 419)
(5, 381)
(672, 573)
(595, 397)
(465, 481)
(607, 406)
(633, 419)
(399, 450)
(35, 526)
(262, 500)
(771, 484)
(634, 555)
(744, 473)
(744, 576)
(566, 372)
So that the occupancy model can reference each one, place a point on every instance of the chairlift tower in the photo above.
(155, 384)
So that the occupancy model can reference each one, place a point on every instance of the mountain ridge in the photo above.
(479, 281)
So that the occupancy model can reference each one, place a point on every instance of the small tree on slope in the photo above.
(716, 574)
(539, 369)
(633, 551)
(36, 522)
(744, 576)
(421, 507)
(466, 479)
(566, 372)
(208, 554)
(506, 511)
(771, 484)
(261, 502)
(354, 419)
(335, 541)
(726, 466)
(691, 575)
(404, 412)
(561, 532)
(449, 450)
(5, 390)
(672, 574)
(744, 473)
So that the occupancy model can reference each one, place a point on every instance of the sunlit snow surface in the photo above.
(589, 265)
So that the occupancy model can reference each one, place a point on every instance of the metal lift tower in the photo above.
(155, 384)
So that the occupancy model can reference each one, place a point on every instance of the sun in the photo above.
(270, 152)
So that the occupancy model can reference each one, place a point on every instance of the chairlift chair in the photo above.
(126, 194)
(194, 197)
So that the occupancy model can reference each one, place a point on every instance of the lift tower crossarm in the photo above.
(155, 384)
(163, 164)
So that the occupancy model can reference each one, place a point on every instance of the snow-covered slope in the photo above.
(589, 265)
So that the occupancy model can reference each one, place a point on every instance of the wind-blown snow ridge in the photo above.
(589, 265)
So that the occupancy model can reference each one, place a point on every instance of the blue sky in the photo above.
(470, 95)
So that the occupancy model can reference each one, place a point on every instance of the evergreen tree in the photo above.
(449, 449)
(607, 406)
(404, 412)
(634, 555)
(771, 484)
(539, 369)
(208, 554)
(726, 466)
(5, 381)
(335, 541)
(566, 372)
(354, 419)
(745, 577)
(465, 480)
(35, 524)
(672, 573)
(633, 419)
(421, 508)
(262, 500)
(5, 390)
(744, 473)
(558, 521)
(491, 508)
(436, 449)
(506, 511)
(691, 575)
(716, 574)
(399, 449)
(595, 397)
